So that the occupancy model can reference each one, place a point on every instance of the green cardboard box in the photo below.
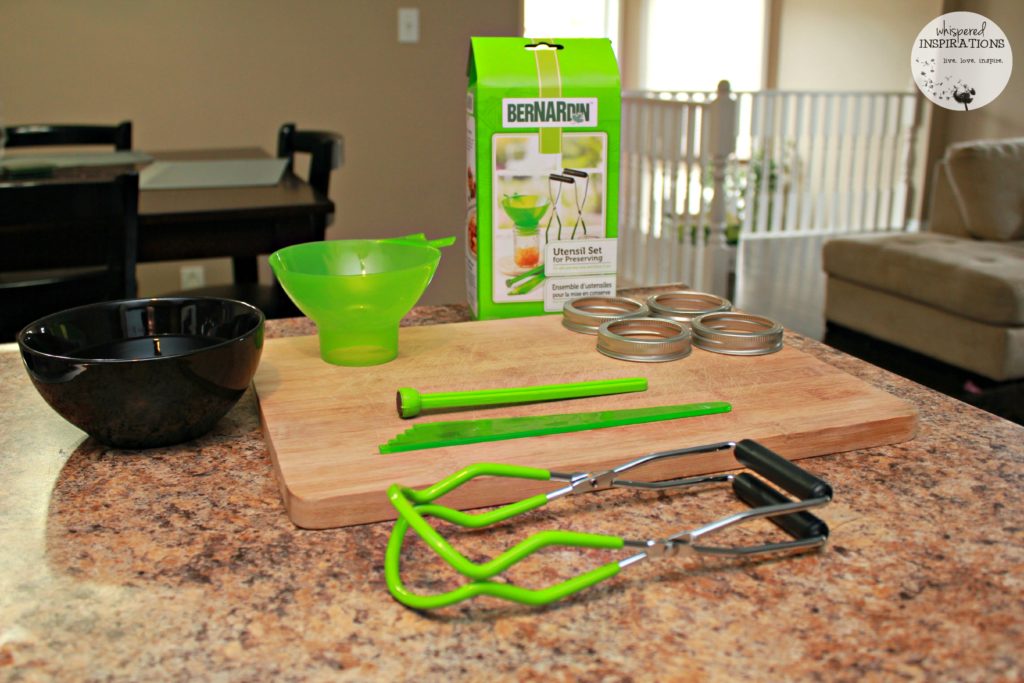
(542, 175)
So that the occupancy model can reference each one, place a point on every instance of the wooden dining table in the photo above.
(236, 222)
(240, 222)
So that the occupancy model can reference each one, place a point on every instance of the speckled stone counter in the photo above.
(180, 564)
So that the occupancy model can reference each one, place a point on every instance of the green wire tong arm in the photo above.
(513, 593)
(403, 500)
(413, 505)
(808, 531)
(457, 479)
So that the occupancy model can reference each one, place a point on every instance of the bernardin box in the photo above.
(542, 173)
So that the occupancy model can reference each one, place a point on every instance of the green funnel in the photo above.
(525, 210)
(356, 291)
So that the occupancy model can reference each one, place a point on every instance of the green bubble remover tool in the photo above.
(411, 403)
(458, 432)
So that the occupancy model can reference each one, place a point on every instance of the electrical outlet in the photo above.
(408, 24)
(192, 277)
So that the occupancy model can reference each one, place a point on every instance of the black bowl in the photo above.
(146, 372)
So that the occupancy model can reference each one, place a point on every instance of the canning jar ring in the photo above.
(738, 334)
(588, 313)
(647, 340)
(684, 305)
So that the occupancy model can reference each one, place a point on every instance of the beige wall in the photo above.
(204, 73)
(848, 44)
(1004, 116)
(865, 45)
(852, 45)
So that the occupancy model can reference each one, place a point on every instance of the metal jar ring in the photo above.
(737, 334)
(588, 313)
(647, 340)
(684, 305)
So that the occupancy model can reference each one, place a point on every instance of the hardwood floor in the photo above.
(781, 278)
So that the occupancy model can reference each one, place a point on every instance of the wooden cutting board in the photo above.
(323, 423)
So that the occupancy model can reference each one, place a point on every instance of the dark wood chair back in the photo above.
(65, 245)
(40, 135)
(325, 149)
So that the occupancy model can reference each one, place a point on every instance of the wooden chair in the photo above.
(325, 149)
(326, 152)
(120, 135)
(65, 245)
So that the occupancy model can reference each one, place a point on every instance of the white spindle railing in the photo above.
(662, 167)
(827, 162)
(696, 173)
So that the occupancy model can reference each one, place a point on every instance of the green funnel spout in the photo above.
(525, 210)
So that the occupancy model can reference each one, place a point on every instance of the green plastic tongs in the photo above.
(414, 506)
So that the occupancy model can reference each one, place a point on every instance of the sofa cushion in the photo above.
(975, 279)
(944, 213)
(993, 351)
(986, 180)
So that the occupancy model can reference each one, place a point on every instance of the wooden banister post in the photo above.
(721, 141)
(909, 171)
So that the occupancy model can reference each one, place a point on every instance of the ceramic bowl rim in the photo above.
(26, 348)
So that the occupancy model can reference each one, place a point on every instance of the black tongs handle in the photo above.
(781, 472)
(755, 493)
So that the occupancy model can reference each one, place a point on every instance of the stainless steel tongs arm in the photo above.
(747, 515)
(765, 502)
(581, 482)
(555, 195)
(685, 541)
(583, 177)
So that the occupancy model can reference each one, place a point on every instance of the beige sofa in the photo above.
(956, 292)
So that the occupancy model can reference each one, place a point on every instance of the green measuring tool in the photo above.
(457, 432)
(411, 402)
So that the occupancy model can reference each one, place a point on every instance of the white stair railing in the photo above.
(701, 170)
(662, 183)
(827, 162)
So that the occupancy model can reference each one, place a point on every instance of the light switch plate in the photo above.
(408, 24)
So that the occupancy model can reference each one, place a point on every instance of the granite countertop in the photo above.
(181, 564)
